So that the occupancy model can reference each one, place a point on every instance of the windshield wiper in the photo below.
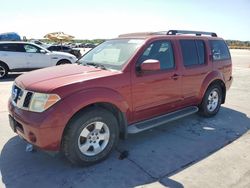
(97, 65)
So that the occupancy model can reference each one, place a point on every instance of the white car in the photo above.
(24, 56)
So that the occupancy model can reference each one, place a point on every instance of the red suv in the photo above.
(125, 85)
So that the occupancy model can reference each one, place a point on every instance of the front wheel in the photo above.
(90, 137)
(211, 101)
(63, 62)
(3, 70)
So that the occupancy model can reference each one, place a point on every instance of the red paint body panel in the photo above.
(139, 96)
(47, 126)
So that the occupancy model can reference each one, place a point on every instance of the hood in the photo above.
(48, 79)
(62, 54)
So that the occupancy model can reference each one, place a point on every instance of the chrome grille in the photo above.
(27, 99)
(15, 93)
(20, 97)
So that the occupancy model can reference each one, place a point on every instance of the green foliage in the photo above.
(236, 44)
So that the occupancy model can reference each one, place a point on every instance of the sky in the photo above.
(92, 19)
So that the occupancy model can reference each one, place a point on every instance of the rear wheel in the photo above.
(211, 101)
(90, 137)
(3, 70)
(63, 62)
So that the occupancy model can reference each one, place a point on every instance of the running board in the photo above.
(154, 122)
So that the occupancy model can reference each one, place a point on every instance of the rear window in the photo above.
(11, 47)
(219, 50)
(65, 48)
(51, 48)
(193, 52)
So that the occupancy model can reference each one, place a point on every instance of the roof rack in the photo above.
(170, 32)
(197, 33)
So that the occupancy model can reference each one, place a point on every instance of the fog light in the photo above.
(32, 137)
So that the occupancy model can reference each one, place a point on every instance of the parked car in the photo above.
(23, 56)
(89, 45)
(66, 49)
(126, 85)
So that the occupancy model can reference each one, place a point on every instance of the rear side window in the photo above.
(11, 47)
(201, 51)
(193, 52)
(53, 48)
(219, 50)
(65, 48)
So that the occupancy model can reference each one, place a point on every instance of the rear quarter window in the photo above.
(11, 47)
(65, 48)
(52, 48)
(219, 50)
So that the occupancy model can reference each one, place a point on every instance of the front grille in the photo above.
(16, 92)
(27, 99)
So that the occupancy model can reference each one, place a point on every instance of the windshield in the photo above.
(112, 54)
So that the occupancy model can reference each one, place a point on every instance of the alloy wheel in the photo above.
(2, 71)
(94, 138)
(213, 100)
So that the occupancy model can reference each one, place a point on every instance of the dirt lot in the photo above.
(191, 152)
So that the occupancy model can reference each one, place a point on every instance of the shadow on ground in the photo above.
(153, 154)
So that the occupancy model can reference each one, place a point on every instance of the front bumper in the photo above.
(229, 82)
(43, 130)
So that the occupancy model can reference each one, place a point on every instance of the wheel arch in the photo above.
(212, 79)
(2, 62)
(62, 60)
(223, 88)
(118, 114)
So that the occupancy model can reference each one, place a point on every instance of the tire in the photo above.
(90, 137)
(3, 70)
(211, 101)
(63, 61)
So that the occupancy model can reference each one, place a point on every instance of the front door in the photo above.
(156, 92)
(36, 59)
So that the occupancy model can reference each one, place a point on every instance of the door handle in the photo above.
(175, 77)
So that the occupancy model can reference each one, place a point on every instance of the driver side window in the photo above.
(161, 51)
(31, 49)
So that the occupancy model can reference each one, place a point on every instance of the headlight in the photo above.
(73, 58)
(40, 101)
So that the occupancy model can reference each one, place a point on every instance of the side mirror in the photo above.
(150, 65)
(43, 51)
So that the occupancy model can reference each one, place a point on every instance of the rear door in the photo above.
(195, 63)
(35, 58)
(156, 92)
(13, 54)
